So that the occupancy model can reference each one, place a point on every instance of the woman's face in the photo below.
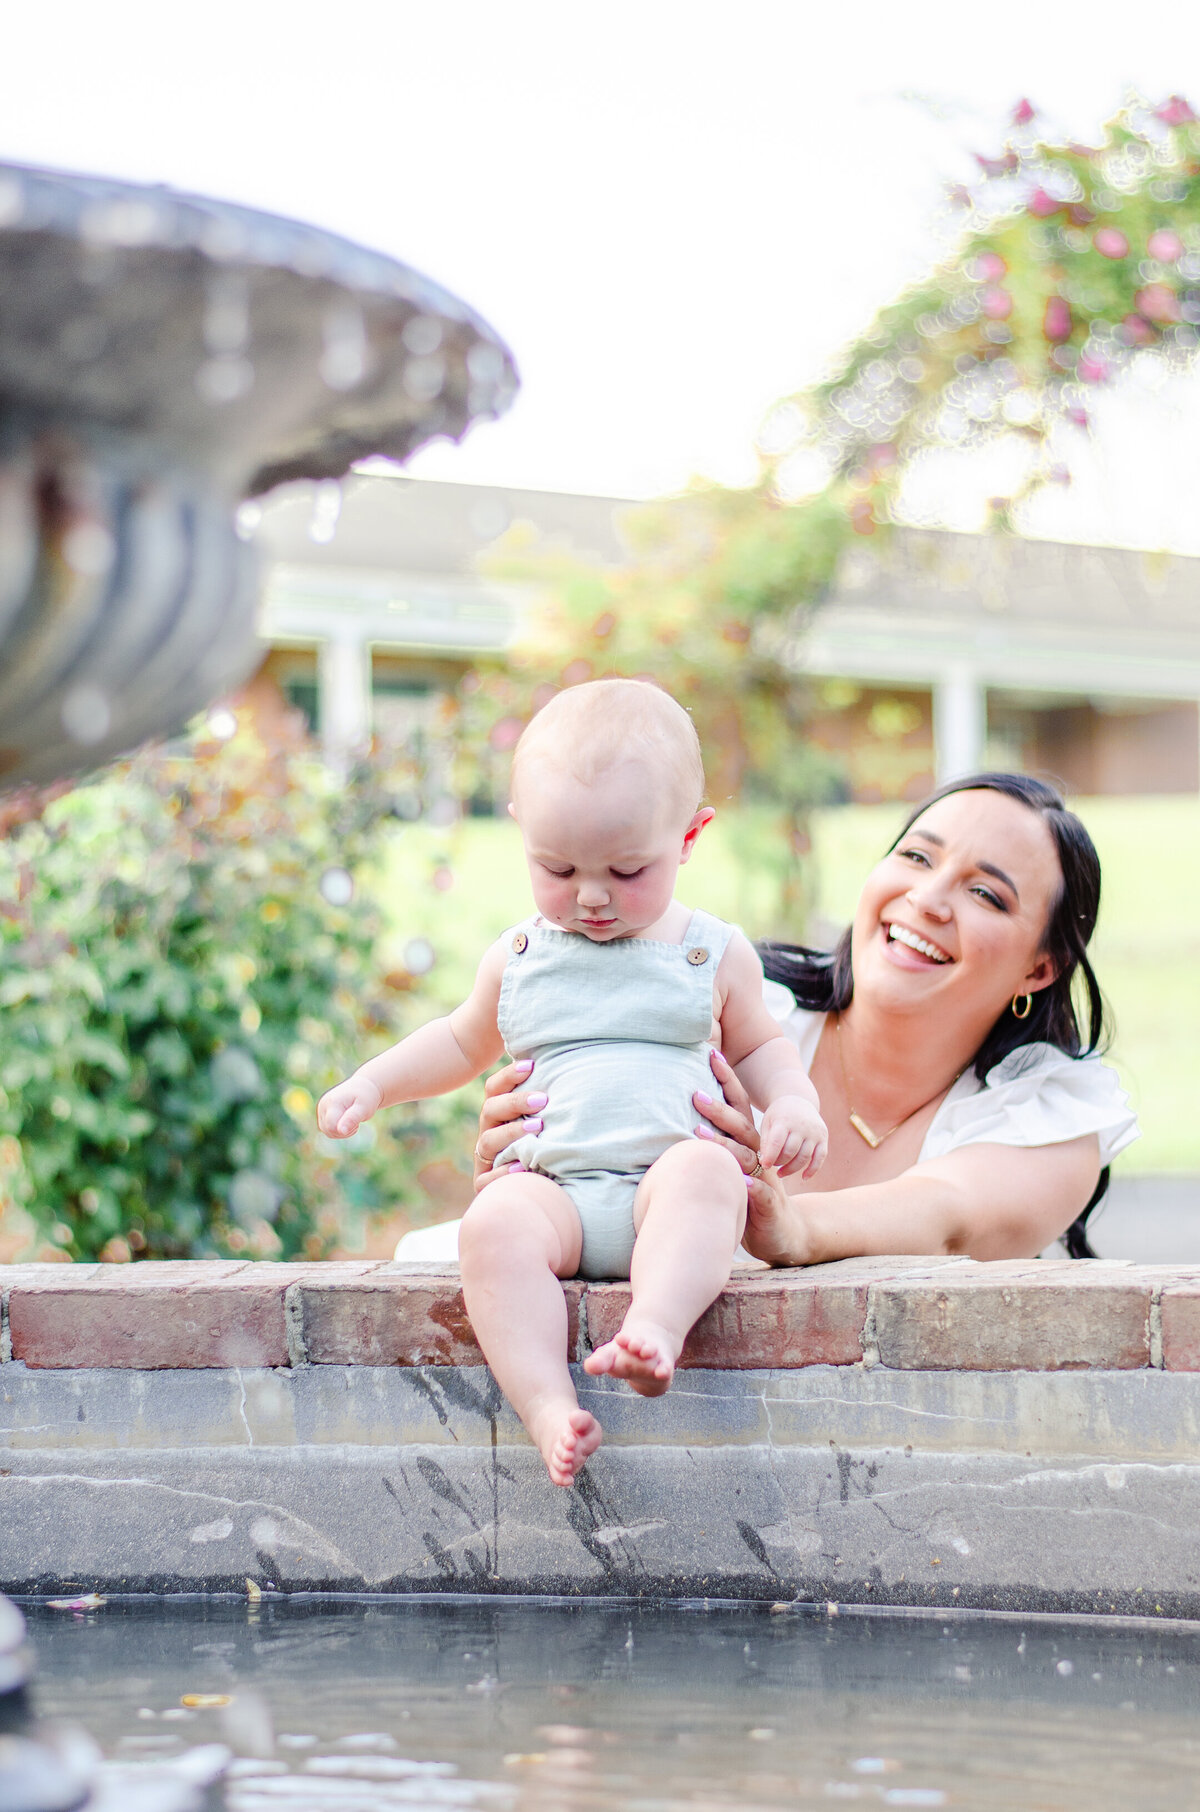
(956, 915)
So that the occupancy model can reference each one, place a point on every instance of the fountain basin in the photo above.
(905, 1432)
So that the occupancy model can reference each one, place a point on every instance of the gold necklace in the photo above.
(874, 1139)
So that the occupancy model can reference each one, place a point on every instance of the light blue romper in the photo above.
(621, 1034)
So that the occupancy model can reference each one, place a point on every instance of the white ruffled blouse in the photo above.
(1037, 1095)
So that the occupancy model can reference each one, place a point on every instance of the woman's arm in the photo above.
(982, 1201)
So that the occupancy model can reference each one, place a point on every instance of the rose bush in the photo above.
(187, 959)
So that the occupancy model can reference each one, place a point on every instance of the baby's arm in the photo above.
(793, 1135)
(439, 1057)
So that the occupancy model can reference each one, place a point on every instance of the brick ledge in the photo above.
(907, 1314)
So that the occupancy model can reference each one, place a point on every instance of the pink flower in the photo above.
(1042, 205)
(862, 516)
(1158, 302)
(1110, 243)
(1175, 112)
(1136, 332)
(1056, 322)
(1092, 369)
(988, 267)
(506, 733)
(1023, 112)
(996, 303)
(1165, 246)
(997, 166)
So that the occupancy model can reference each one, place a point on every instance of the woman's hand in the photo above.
(731, 1115)
(776, 1228)
(508, 1113)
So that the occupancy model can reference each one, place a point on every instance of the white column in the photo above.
(344, 678)
(959, 723)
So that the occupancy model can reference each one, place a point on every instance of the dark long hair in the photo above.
(1070, 1013)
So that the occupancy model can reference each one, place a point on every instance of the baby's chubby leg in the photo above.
(518, 1238)
(689, 1213)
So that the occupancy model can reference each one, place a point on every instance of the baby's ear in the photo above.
(704, 816)
(512, 811)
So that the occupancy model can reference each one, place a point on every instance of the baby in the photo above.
(617, 993)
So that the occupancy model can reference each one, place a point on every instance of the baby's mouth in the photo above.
(900, 934)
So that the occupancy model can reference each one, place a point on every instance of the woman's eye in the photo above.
(993, 899)
(914, 855)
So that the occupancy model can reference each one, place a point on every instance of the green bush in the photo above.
(187, 960)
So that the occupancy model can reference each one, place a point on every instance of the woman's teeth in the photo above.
(902, 935)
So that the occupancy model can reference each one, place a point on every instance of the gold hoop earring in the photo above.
(1026, 1010)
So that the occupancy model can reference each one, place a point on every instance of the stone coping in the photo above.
(903, 1314)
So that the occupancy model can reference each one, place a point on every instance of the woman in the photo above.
(967, 1110)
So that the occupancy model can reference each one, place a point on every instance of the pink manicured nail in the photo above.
(524, 1067)
(533, 1126)
(705, 1132)
(701, 1096)
(537, 1101)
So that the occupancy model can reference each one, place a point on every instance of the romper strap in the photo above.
(707, 932)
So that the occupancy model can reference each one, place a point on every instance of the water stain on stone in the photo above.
(754, 1542)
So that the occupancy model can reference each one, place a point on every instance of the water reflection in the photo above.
(391, 1703)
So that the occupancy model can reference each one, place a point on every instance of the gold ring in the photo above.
(757, 1171)
(479, 1157)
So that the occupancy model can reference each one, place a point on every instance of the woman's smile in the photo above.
(904, 944)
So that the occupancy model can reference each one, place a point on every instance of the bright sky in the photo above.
(674, 210)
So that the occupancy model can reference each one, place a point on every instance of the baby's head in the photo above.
(606, 787)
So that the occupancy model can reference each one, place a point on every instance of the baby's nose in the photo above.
(592, 893)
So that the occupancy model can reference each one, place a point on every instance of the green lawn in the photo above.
(1144, 956)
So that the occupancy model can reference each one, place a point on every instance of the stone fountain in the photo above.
(162, 358)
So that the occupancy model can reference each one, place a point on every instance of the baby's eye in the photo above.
(632, 875)
(560, 874)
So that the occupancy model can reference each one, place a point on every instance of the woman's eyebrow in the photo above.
(987, 868)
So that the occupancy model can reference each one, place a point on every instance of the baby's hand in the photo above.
(342, 1111)
(793, 1138)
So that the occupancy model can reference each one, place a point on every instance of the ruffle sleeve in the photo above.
(1037, 1095)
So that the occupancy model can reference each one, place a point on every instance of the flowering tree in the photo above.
(1071, 260)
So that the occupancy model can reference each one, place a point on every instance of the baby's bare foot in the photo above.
(642, 1353)
(567, 1437)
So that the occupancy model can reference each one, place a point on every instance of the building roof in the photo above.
(396, 562)
(415, 525)
(916, 605)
